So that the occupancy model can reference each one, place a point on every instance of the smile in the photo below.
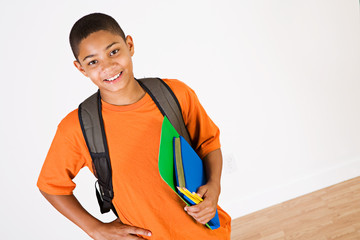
(114, 77)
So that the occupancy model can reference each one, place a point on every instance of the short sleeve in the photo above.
(204, 134)
(64, 160)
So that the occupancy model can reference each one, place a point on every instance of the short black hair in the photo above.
(89, 24)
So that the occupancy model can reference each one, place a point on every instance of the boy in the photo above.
(133, 125)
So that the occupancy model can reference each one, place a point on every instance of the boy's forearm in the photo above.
(70, 207)
(213, 167)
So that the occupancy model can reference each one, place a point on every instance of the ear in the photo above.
(130, 44)
(80, 68)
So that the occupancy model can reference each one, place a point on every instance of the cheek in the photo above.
(125, 61)
(129, 63)
(94, 72)
(94, 75)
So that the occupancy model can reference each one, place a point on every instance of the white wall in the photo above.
(280, 78)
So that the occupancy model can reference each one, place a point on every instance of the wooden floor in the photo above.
(330, 213)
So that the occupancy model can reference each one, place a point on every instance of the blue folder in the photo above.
(194, 174)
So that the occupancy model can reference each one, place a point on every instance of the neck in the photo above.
(126, 96)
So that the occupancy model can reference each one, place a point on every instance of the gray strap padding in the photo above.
(89, 114)
(162, 93)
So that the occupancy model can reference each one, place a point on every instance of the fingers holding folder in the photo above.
(205, 210)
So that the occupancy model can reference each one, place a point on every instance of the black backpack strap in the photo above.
(167, 103)
(92, 126)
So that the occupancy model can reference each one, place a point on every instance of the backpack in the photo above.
(92, 126)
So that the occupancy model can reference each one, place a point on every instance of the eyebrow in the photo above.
(93, 55)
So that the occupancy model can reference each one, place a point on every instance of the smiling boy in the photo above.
(133, 126)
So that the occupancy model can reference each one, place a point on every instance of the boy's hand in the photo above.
(205, 211)
(116, 230)
(70, 207)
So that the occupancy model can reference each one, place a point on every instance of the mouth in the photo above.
(114, 78)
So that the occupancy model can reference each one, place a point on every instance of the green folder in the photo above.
(166, 154)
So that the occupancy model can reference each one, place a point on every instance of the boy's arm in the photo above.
(205, 211)
(70, 207)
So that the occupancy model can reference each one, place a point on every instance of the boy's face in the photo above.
(105, 58)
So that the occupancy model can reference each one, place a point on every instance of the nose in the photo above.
(108, 66)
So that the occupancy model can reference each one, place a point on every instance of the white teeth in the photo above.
(114, 77)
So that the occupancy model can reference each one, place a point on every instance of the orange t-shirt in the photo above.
(141, 197)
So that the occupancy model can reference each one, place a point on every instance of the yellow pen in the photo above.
(191, 197)
(197, 196)
(187, 191)
(194, 195)
(188, 194)
(184, 192)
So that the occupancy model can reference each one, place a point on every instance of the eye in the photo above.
(92, 62)
(114, 52)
